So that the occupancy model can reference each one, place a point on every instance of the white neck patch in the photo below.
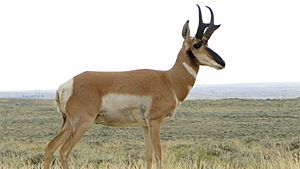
(189, 69)
(190, 87)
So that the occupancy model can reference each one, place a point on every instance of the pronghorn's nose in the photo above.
(222, 62)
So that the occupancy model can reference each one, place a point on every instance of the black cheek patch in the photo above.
(193, 58)
(216, 57)
(190, 53)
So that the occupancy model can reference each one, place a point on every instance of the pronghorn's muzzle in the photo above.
(216, 58)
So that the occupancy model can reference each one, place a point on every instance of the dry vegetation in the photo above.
(206, 134)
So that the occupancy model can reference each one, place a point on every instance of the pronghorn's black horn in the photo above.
(201, 25)
(212, 27)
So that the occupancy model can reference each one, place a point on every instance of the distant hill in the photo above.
(247, 91)
(29, 94)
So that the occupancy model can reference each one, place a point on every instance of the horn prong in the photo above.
(212, 27)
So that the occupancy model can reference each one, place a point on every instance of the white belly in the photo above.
(123, 110)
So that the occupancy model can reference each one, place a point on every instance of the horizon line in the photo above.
(196, 85)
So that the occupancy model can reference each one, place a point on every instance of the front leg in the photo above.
(149, 147)
(154, 130)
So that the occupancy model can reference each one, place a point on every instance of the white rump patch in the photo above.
(65, 91)
(189, 69)
(123, 110)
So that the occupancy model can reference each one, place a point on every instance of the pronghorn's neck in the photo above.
(183, 74)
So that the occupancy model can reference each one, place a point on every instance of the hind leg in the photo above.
(57, 141)
(78, 130)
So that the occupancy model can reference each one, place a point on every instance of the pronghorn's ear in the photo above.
(186, 30)
(186, 35)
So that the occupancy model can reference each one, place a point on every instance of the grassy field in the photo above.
(206, 134)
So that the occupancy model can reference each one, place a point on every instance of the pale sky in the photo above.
(44, 43)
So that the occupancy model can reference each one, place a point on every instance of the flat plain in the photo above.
(212, 134)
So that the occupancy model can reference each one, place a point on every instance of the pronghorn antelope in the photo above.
(143, 98)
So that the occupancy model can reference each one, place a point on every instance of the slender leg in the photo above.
(149, 147)
(80, 128)
(57, 141)
(154, 126)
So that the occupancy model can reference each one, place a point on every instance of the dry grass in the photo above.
(223, 134)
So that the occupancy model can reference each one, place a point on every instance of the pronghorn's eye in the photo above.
(197, 45)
